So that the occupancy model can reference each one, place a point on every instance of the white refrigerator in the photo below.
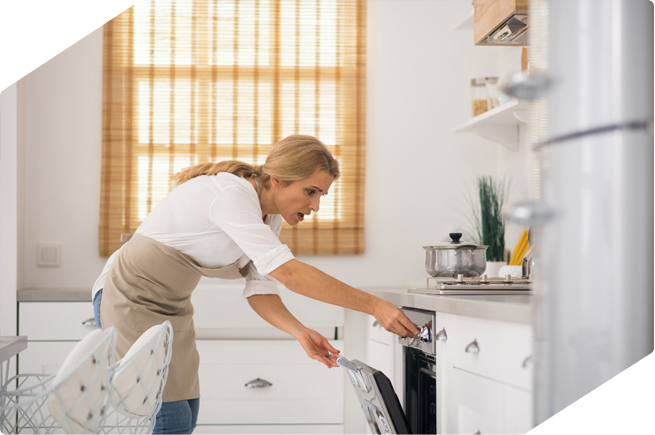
(594, 268)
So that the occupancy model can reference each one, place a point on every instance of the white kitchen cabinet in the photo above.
(494, 349)
(55, 321)
(52, 330)
(484, 382)
(305, 397)
(302, 391)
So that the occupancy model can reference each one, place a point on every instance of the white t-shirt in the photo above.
(217, 220)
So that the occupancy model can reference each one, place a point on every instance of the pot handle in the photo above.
(466, 246)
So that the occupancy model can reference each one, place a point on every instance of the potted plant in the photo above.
(490, 226)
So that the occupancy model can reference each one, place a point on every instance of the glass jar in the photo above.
(478, 96)
(491, 83)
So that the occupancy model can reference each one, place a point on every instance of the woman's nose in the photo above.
(315, 204)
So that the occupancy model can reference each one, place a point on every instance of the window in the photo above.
(187, 82)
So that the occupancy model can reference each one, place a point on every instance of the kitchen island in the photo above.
(483, 364)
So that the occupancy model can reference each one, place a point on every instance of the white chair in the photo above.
(138, 382)
(76, 397)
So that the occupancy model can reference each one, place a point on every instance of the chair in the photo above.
(138, 382)
(76, 397)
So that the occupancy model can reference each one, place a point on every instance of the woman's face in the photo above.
(302, 197)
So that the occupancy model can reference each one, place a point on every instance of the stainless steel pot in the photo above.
(451, 259)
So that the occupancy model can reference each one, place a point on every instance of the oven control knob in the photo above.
(424, 334)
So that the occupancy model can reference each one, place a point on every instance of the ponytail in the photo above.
(236, 167)
(295, 157)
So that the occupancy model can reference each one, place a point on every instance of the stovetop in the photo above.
(482, 285)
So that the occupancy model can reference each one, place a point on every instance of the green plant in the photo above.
(490, 225)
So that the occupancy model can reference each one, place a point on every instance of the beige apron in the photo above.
(149, 283)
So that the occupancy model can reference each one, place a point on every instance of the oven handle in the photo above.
(355, 374)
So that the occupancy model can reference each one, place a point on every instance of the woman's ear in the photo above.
(275, 183)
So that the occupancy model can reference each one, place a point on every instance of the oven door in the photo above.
(379, 401)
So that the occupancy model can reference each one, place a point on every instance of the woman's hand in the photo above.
(317, 347)
(393, 319)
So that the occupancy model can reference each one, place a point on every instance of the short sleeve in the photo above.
(237, 212)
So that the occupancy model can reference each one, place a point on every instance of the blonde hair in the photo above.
(296, 157)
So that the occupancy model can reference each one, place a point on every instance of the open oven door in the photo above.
(379, 401)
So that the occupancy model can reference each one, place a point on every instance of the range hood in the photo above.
(501, 22)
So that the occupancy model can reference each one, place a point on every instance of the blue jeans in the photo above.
(173, 417)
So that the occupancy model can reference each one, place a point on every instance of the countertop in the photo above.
(11, 346)
(509, 308)
(54, 295)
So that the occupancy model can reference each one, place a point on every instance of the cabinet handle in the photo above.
(376, 323)
(473, 347)
(258, 383)
(477, 433)
(90, 323)
(441, 335)
(527, 362)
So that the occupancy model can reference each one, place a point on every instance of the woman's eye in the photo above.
(311, 192)
(325, 194)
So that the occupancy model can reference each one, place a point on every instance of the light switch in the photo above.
(48, 254)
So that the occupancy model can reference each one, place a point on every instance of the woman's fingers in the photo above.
(329, 347)
(393, 319)
(318, 348)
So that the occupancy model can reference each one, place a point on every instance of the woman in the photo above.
(223, 220)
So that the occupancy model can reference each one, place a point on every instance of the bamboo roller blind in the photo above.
(186, 82)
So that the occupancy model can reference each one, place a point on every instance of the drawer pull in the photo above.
(527, 362)
(90, 323)
(441, 335)
(258, 383)
(473, 347)
(376, 323)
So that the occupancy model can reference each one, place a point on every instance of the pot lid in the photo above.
(455, 243)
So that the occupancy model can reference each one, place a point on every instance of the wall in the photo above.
(8, 209)
(418, 173)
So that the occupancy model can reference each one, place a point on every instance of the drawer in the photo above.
(44, 356)
(272, 429)
(504, 348)
(378, 333)
(303, 391)
(55, 320)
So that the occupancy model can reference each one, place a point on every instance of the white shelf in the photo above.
(466, 23)
(500, 125)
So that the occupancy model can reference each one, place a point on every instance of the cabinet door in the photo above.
(381, 357)
(303, 391)
(518, 410)
(55, 320)
(475, 404)
(44, 356)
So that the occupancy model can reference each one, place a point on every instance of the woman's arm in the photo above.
(311, 282)
(271, 309)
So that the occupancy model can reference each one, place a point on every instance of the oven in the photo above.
(381, 403)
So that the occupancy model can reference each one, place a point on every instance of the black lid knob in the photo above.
(455, 237)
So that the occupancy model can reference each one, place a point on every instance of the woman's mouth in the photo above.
(301, 217)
